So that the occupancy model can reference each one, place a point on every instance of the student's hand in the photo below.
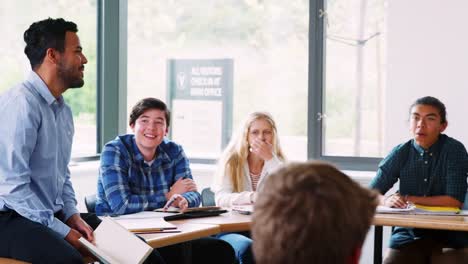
(262, 148)
(182, 186)
(72, 238)
(77, 223)
(395, 201)
(253, 197)
(177, 200)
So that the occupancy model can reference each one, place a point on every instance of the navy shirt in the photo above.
(440, 170)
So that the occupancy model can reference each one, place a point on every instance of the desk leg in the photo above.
(187, 252)
(378, 244)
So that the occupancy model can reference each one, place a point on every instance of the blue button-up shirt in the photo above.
(440, 170)
(127, 184)
(36, 134)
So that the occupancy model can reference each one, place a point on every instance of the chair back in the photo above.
(207, 197)
(90, 202)
(465, 204)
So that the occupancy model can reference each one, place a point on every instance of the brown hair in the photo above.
(311, 213)
(146, 104)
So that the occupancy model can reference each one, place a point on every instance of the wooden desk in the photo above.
(189, 231)
(228, 222)
(455, 223)
(11, 261)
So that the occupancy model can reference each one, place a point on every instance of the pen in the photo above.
(170, 202)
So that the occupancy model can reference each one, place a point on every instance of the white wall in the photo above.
(427, 55)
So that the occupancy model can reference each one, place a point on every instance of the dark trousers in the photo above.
(26, 240)
(425, 251)
(207, 250)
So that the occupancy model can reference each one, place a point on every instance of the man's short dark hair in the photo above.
(146, 104)
(45, 34)
(310, 213)
(434, 102)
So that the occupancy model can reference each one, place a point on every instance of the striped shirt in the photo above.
(254, 178)
(440, 170)
(127, 184)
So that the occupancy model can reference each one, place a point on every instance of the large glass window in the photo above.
(16, 16)
(354, 71)
(267, 41)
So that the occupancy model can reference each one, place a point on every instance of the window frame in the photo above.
(112, 83)
(317, 14)
(111, 94)
(112, 70)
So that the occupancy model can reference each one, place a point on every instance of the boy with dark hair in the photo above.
(432, 170)
(311, 213)
(142, 171)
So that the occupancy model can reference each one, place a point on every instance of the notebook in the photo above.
(145, 225)
(243, 209)
(421, 209)
(114, 244)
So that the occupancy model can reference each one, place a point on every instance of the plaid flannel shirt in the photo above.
(127, 184)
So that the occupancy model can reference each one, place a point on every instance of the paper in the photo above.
(115, 244)
(141, 215)
(386, 209)
(101, 255)
(243, 209)
(145, 224)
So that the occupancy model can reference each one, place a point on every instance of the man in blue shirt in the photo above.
(144, 170)
(39, 222)
(432, 169)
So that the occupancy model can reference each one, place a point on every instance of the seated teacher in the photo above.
(142, 171)
(249, 158)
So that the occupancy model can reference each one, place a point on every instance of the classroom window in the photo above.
(16, 16)
(266, 40)
(354, 70)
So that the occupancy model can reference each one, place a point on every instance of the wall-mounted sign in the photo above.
(200, 97)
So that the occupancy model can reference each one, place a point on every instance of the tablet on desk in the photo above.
(195, 214)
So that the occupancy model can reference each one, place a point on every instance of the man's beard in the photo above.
(66, 74)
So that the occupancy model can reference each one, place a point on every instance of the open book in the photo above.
(420, 209)
(114, 244)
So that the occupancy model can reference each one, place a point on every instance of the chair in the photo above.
(207, 197)
(465, 204)
(90, 202)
